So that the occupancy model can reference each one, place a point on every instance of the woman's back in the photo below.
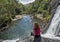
(36, 29)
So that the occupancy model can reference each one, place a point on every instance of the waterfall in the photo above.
(54, 25)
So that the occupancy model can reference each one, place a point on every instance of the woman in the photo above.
(36, 29)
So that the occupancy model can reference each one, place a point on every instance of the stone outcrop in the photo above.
(53, 5)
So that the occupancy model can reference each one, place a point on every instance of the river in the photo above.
(20, 29)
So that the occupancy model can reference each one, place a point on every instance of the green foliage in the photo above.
(10, 8)
(7, 11)
(3, 2)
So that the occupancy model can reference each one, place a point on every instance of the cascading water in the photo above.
(54, 27)
(54, 23)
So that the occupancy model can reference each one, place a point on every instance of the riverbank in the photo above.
(18, 17)
(7, 25)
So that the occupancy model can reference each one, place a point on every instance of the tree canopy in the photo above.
(10, 8)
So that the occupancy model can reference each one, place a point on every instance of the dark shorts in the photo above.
(37, 38)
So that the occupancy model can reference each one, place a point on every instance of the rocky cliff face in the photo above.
(53, 5)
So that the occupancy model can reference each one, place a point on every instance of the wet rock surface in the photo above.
(53, 5)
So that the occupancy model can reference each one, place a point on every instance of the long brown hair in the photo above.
(36, 25)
